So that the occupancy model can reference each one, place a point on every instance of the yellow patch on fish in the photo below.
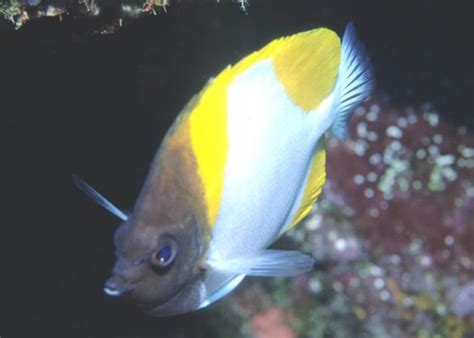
(307, 65)
(314, 184)
(305, 70)
(209, 142)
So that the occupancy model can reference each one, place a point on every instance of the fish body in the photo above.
(243, 162)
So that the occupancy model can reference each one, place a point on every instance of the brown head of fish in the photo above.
(159, 246)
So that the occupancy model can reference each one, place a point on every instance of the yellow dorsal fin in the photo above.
(307, 65)
(314, 184)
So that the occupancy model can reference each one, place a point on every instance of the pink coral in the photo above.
(272, 323)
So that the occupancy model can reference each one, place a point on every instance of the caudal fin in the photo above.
(355, 80)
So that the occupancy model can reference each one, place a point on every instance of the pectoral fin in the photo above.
(266, 263)
(98, 198)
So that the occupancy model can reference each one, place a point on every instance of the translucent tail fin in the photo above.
(355, 80)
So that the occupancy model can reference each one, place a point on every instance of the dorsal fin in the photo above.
(307, 65)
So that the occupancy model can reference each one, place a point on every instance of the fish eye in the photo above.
(165, 254)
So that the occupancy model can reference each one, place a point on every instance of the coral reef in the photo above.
(18, 12)
(392, 233)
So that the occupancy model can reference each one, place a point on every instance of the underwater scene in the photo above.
(237, 168)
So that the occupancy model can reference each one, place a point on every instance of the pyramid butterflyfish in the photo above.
(243, 162)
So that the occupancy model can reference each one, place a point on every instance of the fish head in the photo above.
(157, 266)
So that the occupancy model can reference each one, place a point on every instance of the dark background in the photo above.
(98, 106)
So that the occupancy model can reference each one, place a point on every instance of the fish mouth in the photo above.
(114, 292)
(116, 287)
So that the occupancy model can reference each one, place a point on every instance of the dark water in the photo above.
(98, 106)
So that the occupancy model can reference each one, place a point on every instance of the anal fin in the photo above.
(313, 185)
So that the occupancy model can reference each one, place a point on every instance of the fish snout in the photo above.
(116, 286)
